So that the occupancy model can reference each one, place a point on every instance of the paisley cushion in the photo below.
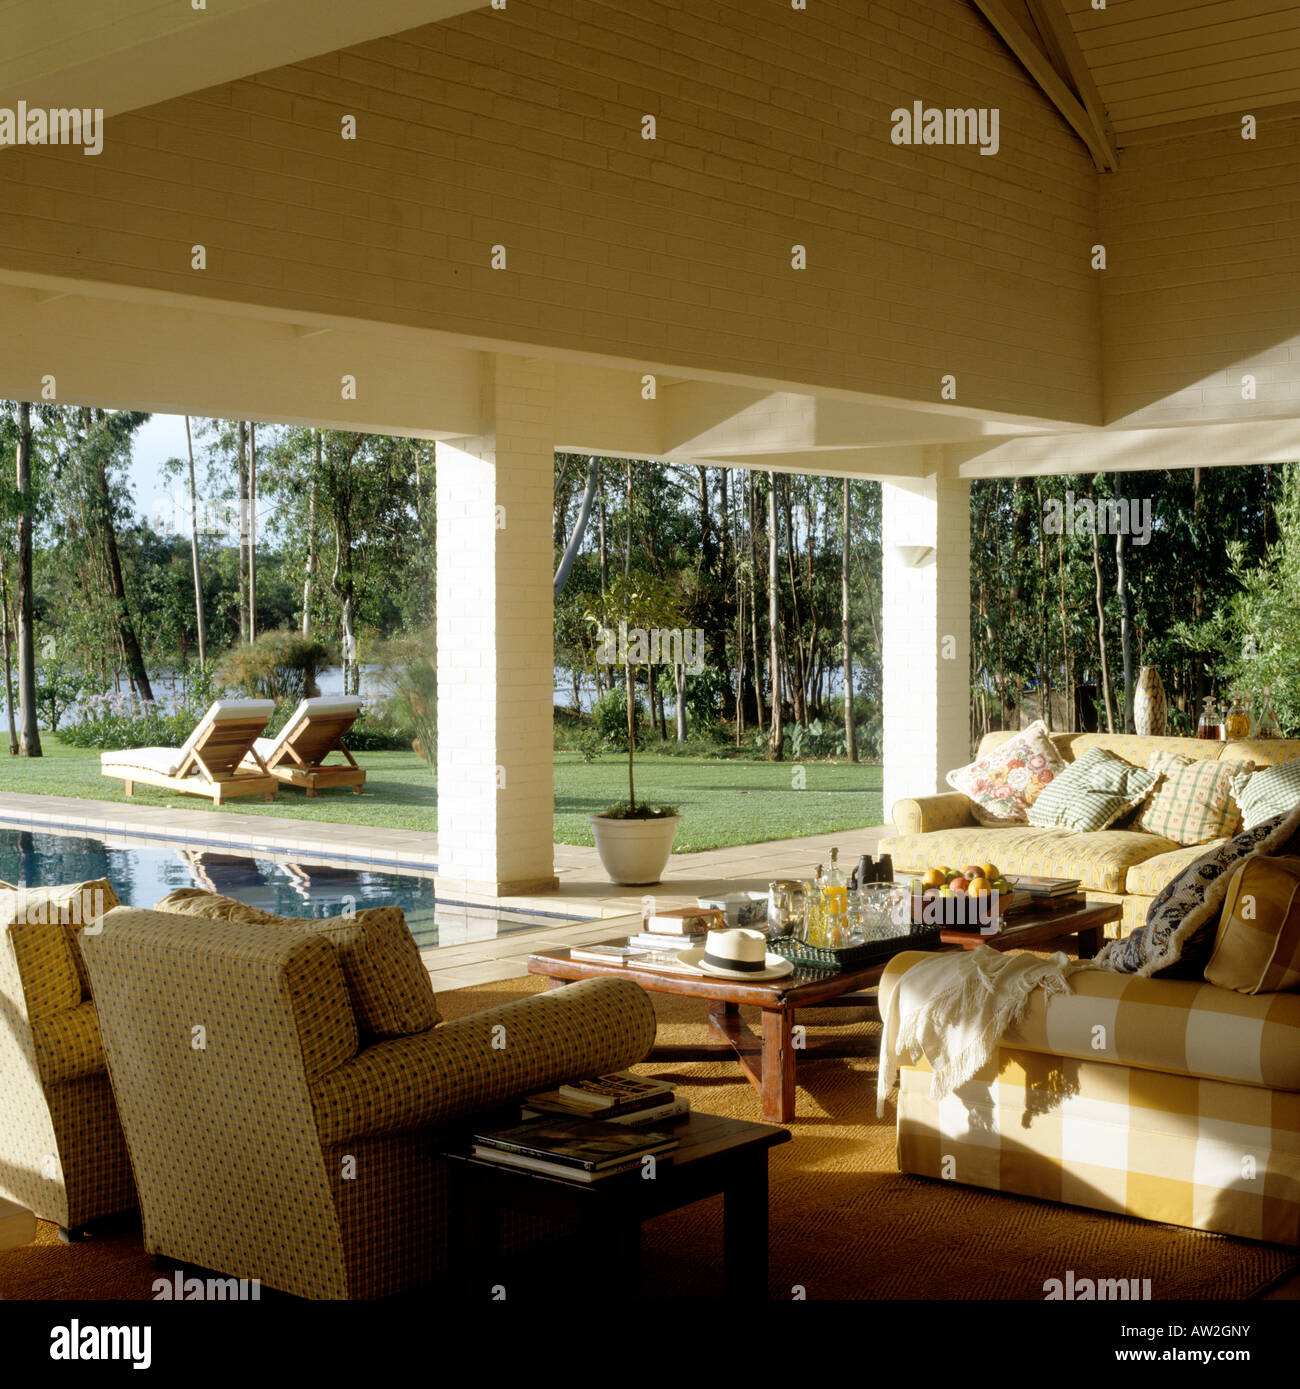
(1178, 936)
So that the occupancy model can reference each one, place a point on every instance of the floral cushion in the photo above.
(1192, 802)
(1006, 781)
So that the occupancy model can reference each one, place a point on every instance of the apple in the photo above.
(959, 884)
(973, 870)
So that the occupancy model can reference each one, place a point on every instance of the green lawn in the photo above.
(722, 802)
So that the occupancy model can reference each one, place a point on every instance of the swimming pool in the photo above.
(143, 870)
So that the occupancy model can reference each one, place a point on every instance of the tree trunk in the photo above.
(753, 607)
(132, 655)
(1198, 591)
(351, 682)
(679, 684)
(1065, 637)
(627, 541)
(252, 532)
(311, 534)
(29, 737)
(1045, 661)
(798, 681)
(846, 638)
(629, 697)
(1125, 626)
(241, 468)
(199, 618)
(774, 624)
(9, 679)
(1107, 702)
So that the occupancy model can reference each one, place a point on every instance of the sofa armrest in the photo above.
(947, 811)
(476, 1063)
(68, 1045)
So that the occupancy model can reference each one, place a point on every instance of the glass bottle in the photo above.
(1210, 723)
(1265, 723)
(813, 913)
(1236, 722)
(835, 904)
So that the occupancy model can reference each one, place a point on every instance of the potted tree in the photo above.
(634, 839)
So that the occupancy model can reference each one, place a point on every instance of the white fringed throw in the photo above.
(955, 1007)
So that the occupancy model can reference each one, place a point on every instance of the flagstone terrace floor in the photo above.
(584, 890)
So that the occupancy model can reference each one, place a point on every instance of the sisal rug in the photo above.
(845, 1224)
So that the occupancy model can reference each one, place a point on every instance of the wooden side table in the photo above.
(715, 1156)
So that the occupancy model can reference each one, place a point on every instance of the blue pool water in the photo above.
(142, 872)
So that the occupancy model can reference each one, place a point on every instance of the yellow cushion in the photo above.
(1147, 878)
(1257, 948)
(390, 989)
(1100, 859)
(70, 905)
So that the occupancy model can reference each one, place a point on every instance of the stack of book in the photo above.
(1044, 891)
(620, 1098)
(579, 1150)
(683, 921)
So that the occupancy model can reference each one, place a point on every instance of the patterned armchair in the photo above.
(62, 1152)
(276, 1132)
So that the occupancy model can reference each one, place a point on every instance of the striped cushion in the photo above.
(1193, 801)
(1257, 948)
(389, 987)
(1092, 793)
(1266, 792)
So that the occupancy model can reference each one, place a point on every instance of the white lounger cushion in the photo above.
(163, 760)
(167, 760)
(308, 708)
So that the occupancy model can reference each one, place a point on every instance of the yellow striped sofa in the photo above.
(272, 1137)
(1128, 867)
(1170, 1100)
(62, 1153)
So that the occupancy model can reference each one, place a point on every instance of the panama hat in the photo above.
(738, 954)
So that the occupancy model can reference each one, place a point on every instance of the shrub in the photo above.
(112, 722)
(279, 665)
(609, 717)
(410, 675)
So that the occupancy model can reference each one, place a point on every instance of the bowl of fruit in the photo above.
(972, 898)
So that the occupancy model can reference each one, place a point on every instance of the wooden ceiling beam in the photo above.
(1076, 99)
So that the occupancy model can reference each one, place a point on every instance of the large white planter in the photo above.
(634, 852)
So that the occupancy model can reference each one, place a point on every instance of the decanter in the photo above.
(1265, 722)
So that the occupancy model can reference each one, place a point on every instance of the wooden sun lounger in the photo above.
(315, 730)
(214, 761)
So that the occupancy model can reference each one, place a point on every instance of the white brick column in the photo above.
(926, 601)
(495, 660)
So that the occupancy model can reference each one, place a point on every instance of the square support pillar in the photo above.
(925, 657)
(495, 649)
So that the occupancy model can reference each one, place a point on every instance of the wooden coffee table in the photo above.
(768, 1057)
(714, 1156)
